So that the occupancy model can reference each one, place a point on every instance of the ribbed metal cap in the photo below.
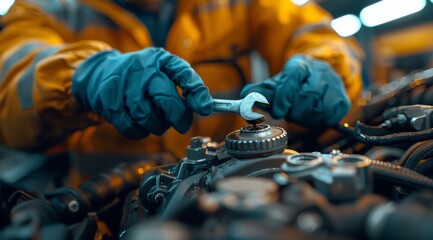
(256, 141)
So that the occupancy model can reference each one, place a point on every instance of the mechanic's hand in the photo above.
(136, 92)
(307, 91)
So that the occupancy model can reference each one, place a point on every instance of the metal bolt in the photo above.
(335, 152)
(159, 197)
(196, 150)
(309, 221)
(401, 119)
(73, 206)
(196, 142)
(281, 179)
(209, 203)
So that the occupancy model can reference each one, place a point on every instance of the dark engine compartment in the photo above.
(369, 178)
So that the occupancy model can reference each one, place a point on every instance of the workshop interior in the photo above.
(362, 169)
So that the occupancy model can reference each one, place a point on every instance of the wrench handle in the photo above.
(226, 106)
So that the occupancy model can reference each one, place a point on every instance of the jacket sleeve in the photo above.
(281, 29)
(38, 57)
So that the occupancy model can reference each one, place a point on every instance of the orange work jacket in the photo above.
(44, 41)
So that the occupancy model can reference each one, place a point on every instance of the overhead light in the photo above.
(301, 2)
(346, 25)
(388, 10)
(5, 5)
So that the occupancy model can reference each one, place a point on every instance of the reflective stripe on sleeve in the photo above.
(74, 14)
(25, 82)
(209, 6)
(311, 28)
(15, 57)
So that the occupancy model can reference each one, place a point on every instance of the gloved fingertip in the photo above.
(184, 128)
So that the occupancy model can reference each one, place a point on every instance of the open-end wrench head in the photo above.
(247, 104)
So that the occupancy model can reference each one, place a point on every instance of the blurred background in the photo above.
(396, 35)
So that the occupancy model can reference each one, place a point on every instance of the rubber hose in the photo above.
(401, 176)
(409, 152)
(424, 151)
(426, 168)
(384, 154)
(391, 139)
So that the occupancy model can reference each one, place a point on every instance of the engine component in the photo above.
(410, 219)
(250, 188)
(421, 152)
(204, 166)
(340, 177)
(159, 183)
(241, 193)
(256, 141)
(417, 117)
(397, 175)
(412, 89)
(403, 124)
(70, 205)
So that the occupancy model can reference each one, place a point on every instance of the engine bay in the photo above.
(371, 178)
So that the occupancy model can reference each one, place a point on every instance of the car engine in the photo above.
(368, 178)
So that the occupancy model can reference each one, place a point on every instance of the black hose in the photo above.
(384, 154)
(422, 152)
(70, 205)
(409, 152)
(401, 176)
(390, 139)
(425, 168)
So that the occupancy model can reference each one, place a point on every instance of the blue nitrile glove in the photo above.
(136, 92)
(307, 91)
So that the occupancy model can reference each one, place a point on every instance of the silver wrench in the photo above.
(243, 107)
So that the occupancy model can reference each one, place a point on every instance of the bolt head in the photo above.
(335, 152)
(73, 206)
(309, 221)
(159, 197)
(196, 142)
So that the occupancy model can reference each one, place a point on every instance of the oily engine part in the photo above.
(256, 141)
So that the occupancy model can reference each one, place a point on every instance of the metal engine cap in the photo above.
(256, 141)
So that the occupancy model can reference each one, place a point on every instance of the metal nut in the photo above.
(73, 206)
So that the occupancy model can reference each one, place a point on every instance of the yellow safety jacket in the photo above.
(44, 41)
